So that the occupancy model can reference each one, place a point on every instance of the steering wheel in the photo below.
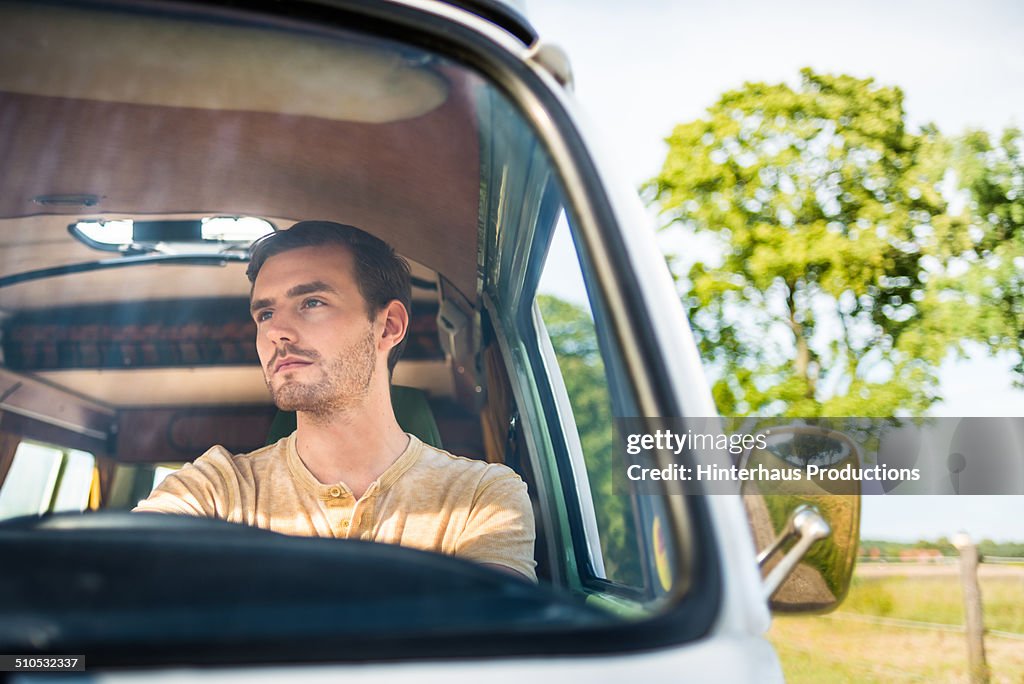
(120, 583)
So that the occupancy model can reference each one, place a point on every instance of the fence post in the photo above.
(972, 608)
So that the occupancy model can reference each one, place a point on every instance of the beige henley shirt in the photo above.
(427, 499)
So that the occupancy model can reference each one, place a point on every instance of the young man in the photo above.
(331, 305)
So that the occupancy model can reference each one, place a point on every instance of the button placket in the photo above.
(359, 512)
(352, 524)
(337, 504)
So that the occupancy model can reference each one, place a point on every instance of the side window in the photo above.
(579, 368)
(162, 471)
(44, 479)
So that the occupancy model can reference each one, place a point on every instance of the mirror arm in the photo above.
(808, 525)
(787, 533)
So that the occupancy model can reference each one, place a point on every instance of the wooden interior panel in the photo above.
(29, 428)
(8, 446)
(34, 399)
(154, 435)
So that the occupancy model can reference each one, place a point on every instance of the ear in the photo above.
(396, 324)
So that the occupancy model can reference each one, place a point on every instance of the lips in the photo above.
(290, 363)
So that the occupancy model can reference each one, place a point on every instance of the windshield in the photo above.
(144, 153)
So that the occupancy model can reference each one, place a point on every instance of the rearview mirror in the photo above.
(171, 236)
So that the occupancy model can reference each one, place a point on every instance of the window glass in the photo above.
(75, 482)
(161, 472)
(568, 322)
(28, 488)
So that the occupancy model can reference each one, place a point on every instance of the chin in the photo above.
(293, 396)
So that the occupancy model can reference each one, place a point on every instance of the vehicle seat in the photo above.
(411, 409)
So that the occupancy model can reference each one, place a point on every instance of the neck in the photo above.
(354, 445)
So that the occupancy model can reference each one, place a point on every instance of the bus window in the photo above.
(45, 479)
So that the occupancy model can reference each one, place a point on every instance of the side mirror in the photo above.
(806, 531)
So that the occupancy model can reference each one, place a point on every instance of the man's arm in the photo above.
(499, 531)
(205, 488)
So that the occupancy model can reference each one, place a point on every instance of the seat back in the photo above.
(411, 409)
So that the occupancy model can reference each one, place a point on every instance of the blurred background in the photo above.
(839, 191)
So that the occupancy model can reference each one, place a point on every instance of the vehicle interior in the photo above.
(150, 363)
(143, 151)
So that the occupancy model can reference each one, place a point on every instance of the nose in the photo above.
(280, 329)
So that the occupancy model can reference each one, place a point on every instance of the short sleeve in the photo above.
(500, 527)
(206, 488)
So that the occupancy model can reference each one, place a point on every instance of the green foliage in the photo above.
(890, 549)
(870, 598)
(986, 547)
(830, 229)
(993, 172)
(574, 340)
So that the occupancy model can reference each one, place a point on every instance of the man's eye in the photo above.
(263, 316)
(312, 302)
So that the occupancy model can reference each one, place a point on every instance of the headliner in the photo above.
(193, 148)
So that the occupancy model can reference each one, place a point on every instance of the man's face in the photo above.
(316, 344)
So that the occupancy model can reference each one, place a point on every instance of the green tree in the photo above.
(826, 227)
(993, 173)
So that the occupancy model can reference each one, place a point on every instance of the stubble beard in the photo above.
(344, 383)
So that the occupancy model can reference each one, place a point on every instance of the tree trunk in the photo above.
(803, 349)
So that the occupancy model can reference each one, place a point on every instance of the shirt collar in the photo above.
(384, 482)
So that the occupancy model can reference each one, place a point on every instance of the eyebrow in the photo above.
(297, 291)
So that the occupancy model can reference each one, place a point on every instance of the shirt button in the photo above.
(344, 523)
(335, 492)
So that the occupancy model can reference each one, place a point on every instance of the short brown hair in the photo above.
(382, 275)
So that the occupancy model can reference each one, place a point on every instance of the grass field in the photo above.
(846, 647)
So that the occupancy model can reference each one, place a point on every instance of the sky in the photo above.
(642, 67)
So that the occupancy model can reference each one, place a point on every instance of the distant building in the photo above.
(921, 556)
(874, 553)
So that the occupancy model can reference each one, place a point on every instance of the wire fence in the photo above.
(938, 560)
(1008, 560)
(918, 624)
